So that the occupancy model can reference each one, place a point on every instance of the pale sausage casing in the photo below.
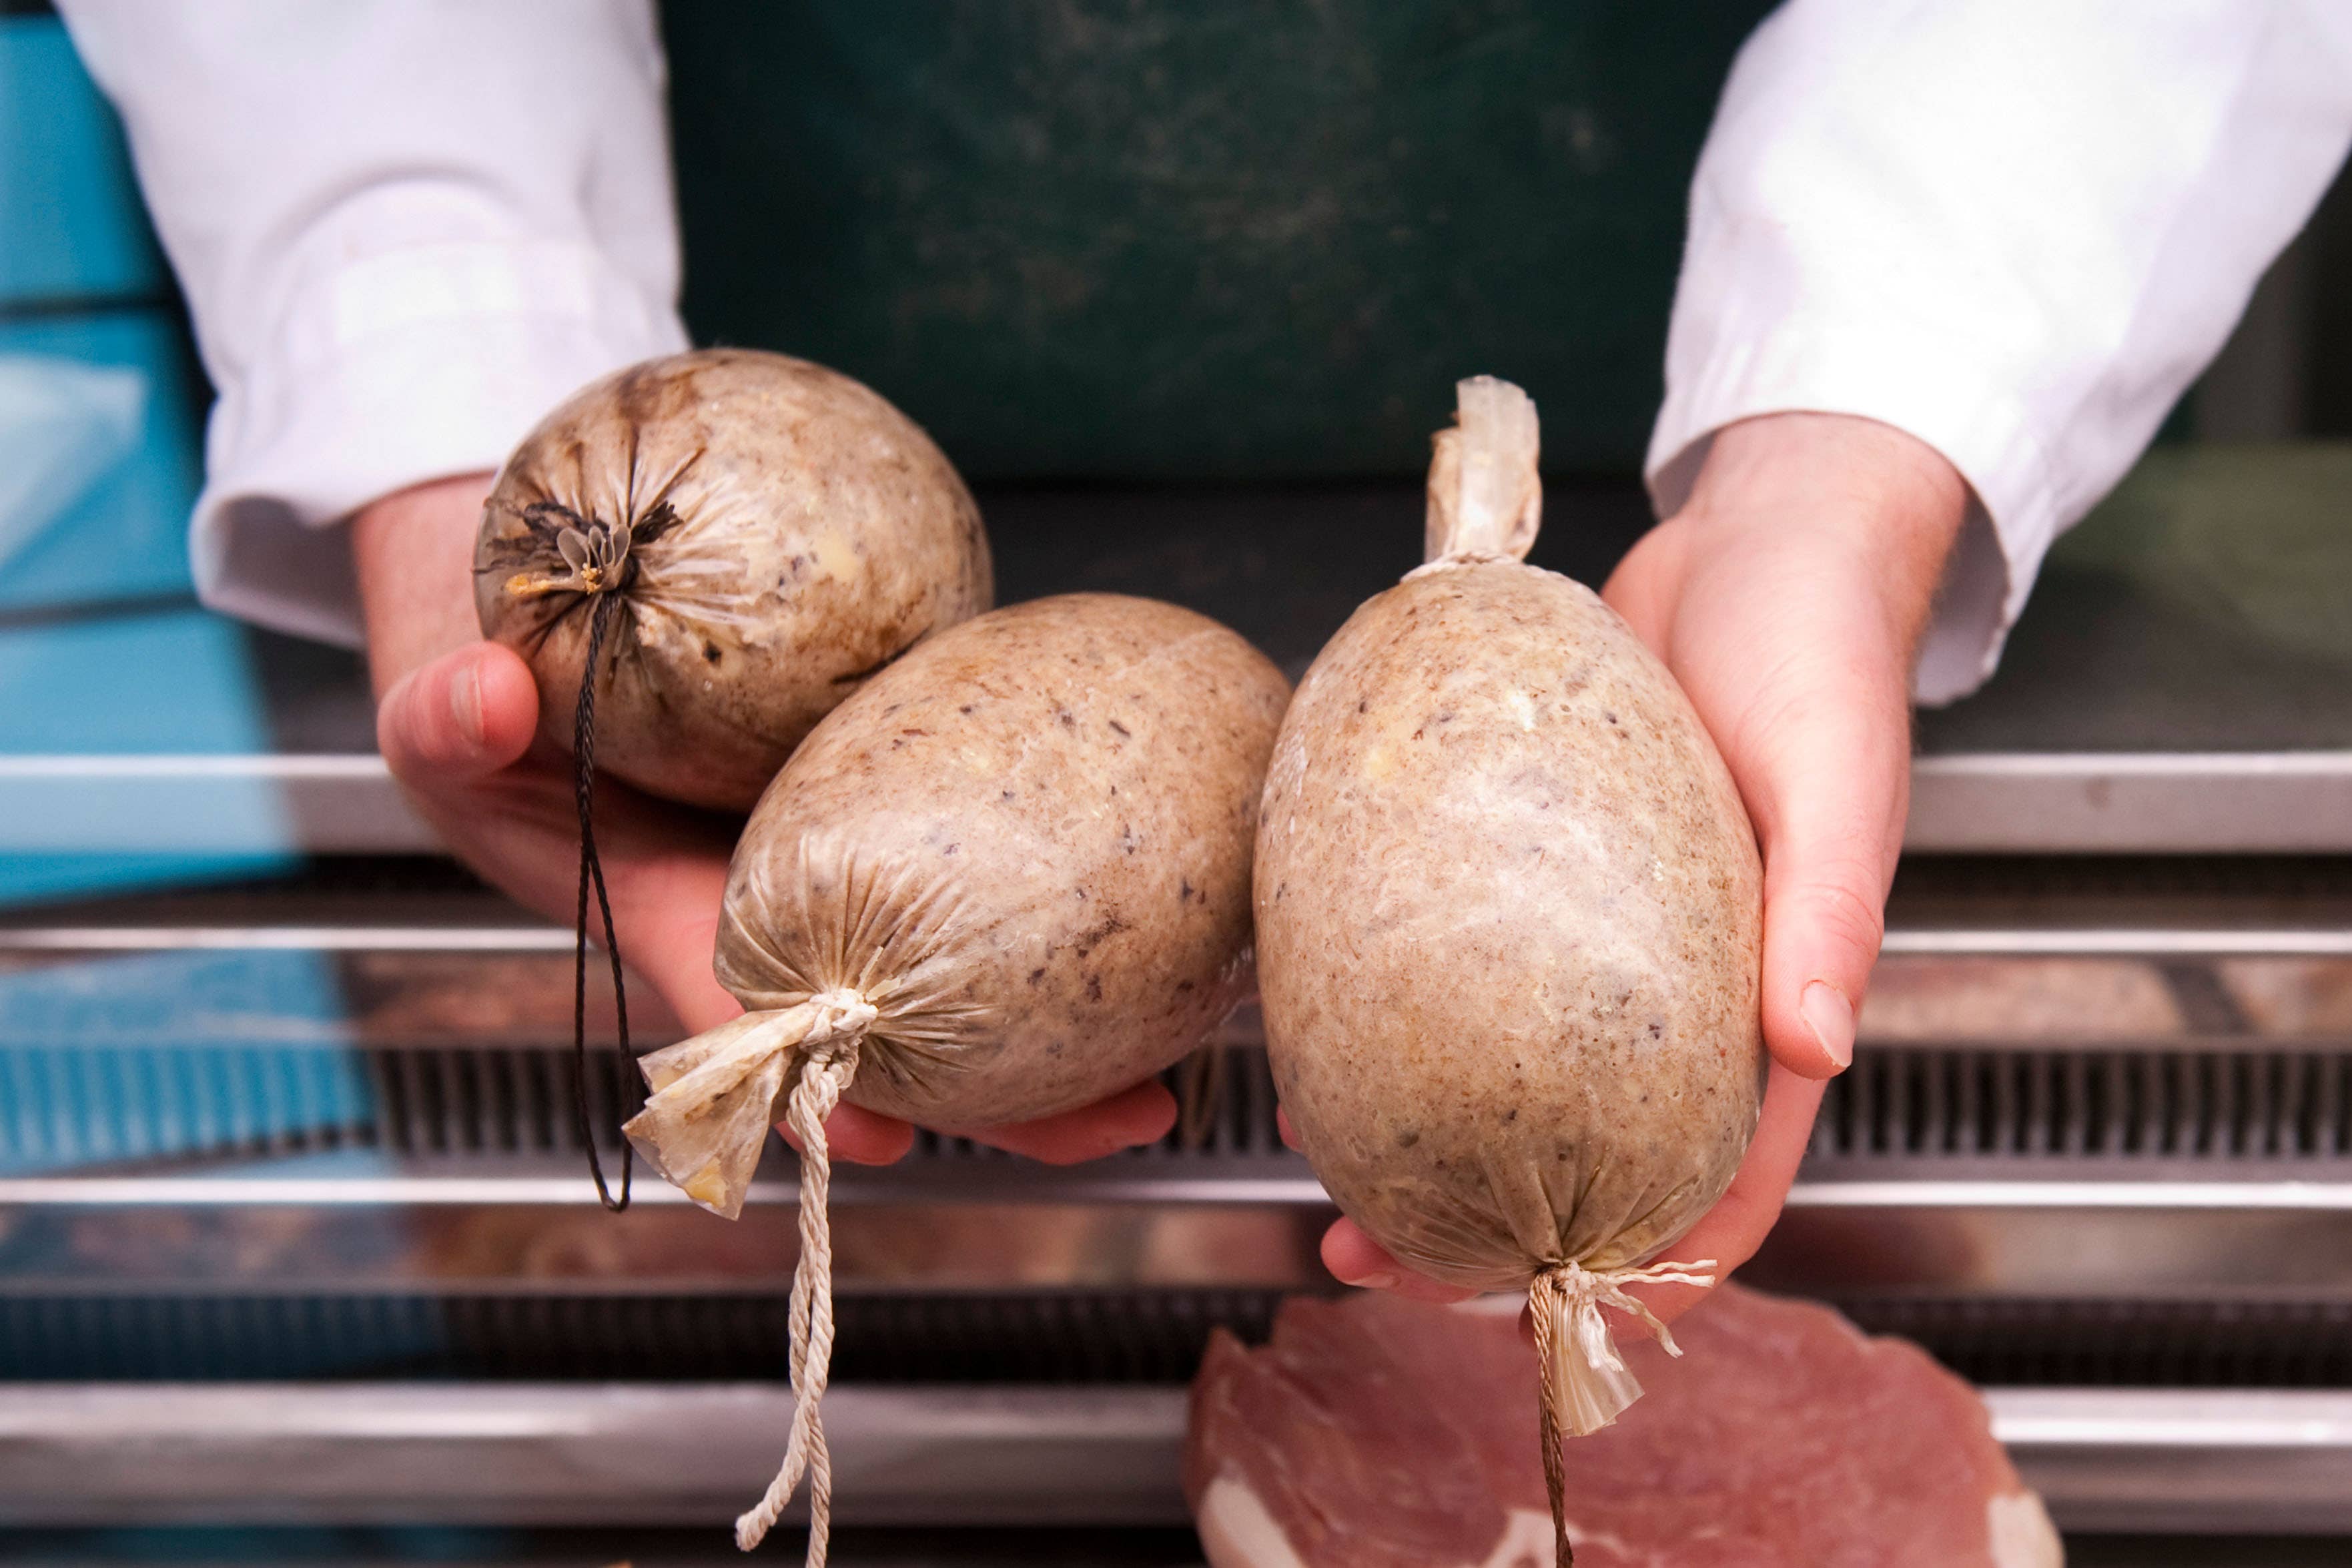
(1027, 846)
(772, 532)
(1008, 879)
(1508, 918)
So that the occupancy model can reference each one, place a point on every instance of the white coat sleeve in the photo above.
(405, 229)
(2016, 229)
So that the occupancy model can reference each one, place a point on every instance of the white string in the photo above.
(1582, 1293)
(827, 1067)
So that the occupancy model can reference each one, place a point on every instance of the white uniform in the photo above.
(2015, 228)
(405, 229)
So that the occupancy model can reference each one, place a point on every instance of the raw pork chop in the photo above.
(1382, 1433)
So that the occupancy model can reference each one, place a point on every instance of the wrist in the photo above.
(1867, 492)
(414, 554)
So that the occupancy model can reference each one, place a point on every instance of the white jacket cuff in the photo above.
(403, 367)
(1869, 369)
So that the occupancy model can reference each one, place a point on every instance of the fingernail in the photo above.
(1829, 1017)
(466, 705)
(1381, 1280)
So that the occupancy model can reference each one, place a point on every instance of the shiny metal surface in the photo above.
(2126, 803)
(318, 804)
(611, 1454)
(2143, 942)
(72, 939)
(2180, 1240)
(1989, 1238)
(1206, 1184)
(2042, 802)
(1210, 1184)
(2083, 1123)
(432, 1060)
(2203, 1463)
(2218, 1462)
(2039, 802)
(2100, 1133)
(1901, 941)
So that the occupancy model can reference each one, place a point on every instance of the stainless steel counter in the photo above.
(689, 1454)
(2097, 1149)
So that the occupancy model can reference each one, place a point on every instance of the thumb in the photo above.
(466, 714)
(1830, 805)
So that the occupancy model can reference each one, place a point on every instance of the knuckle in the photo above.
(1842, 912)
(417, 734)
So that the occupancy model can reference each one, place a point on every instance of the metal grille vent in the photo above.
(1142, 1336)
(2127, 1343)
(1227, 1109)
(73, 1108)
(2222, 1102)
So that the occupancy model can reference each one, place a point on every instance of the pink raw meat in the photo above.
(1379, 1434)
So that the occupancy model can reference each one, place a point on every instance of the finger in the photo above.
(666, 911)
(1355, 1258)
(1642, 589)
(1141, 1115)
(1736, 1226)
(861, 1137)
(1289, 1133)
(467, 714)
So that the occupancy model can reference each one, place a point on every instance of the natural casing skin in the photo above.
(1027, 844)
(791, 533)
(1510, 908)
(1507, 921)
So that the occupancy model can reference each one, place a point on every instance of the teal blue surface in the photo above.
(112, 1061)
(175, 682)
(178, 682)
(127, 537)
(70, 208)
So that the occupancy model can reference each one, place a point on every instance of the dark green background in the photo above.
(1222, 240)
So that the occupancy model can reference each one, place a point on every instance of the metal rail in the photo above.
(1201, 1185)
(2086, 802)
(1951, 940)
(2223, 1462)
(948, 1231)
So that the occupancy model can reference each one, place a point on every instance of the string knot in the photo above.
(1586, 1384)
(843, 1017)
(597, 555)
(1588, 1379)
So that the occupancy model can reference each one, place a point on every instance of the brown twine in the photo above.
(1544, 1296)
(591, 874)
(1581, 1383)
(825, 1071)
(1200, 1093)
(600, 564)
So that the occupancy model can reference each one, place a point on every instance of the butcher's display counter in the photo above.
(295, 1230)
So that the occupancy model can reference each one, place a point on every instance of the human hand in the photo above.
(457, 719)
(1788, 597)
